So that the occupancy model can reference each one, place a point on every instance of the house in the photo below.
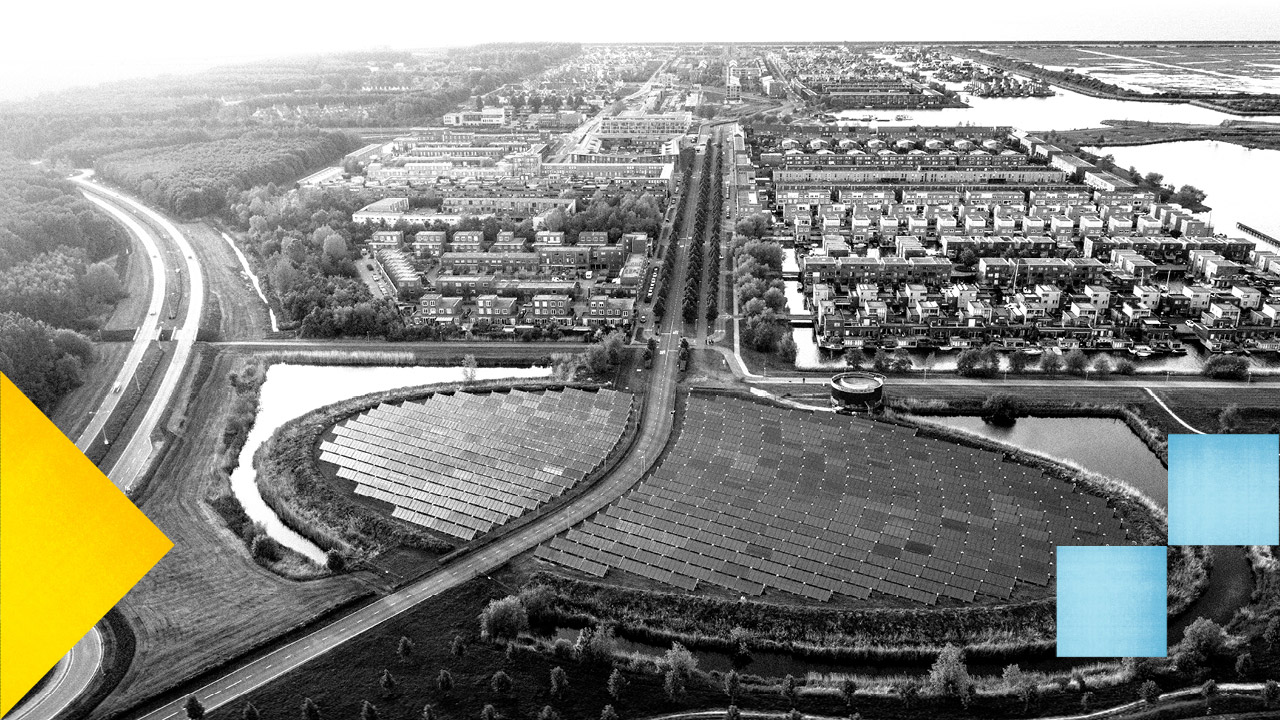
(551, 309)
(602, 310)
(441, 308)
(385, 240)
(495, 309)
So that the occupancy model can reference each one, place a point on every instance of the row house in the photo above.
(441, 308)
(604, 310)
(487, 263)
(496, 309)
(551, 309)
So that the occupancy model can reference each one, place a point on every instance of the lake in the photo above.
(293, 390)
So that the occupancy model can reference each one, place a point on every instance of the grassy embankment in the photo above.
(1133, 132)
(207, 601)
(322, 509)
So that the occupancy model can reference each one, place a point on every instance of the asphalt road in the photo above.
(137, 454)
(71, 676)
(146, 333)
(76, 670)
(655, 428)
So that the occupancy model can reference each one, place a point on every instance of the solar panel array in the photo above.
(461, 463)
(754, 498)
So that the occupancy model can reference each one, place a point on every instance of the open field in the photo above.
(242, 314)
(755, 499)
(1165, 68)
(207, 601)
(1264, 136)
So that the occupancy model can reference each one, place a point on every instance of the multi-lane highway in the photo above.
(77, 669)
(136, 457)
(655, 428)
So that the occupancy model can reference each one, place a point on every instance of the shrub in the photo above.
(596, 646)
(789, 689)
(732, 685)
(949, 677)
(733, 713)
(1075, 362)
(404, 648)
(368, 711)
(1226, 367)
(1270, 693)
(1004, 408)
(617, 685)
(335, 561)
(488, 712)
(1149, 692)
(501, 683)
(194, 708)
(1124, 366)
(504, 619)
(388, 682)
(1051, 363)
(608, 713)
(444, 681)
(311, 712)
(559, 682)
(250, 712)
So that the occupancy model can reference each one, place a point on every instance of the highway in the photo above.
(655, 427)
(146, 333)
(76, 670)
(136, 458)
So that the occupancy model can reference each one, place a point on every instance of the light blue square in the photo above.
(1224, 489)
(1112, 601)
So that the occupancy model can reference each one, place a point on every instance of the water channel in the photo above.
(293, 390)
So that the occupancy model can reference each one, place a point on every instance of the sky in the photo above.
(50, 45)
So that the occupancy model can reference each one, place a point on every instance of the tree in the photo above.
(1085, 700)
(1102, 366)
(250, 712)
(617, 685)
(1271, 636)
(309, 710)
(469, 369)
(1075, 362)
(795, 715)
(1050, 363)
(387, 682)
(458, 647)
(848, 688)
(1022, 684)
(789, 691)
(335, 561)
(368, 711)
(733, 713)
(501, 683)
(1018, 362)
(488, 713)
(880, 362)
(1208, 691)
(949, 677)
(194, 708)
(444, 681)
(264, 548)
(102, 283)
(404, 648)
(1244, 665)
(428, 712)
(1124, 366)
(673, 684)
(504, 619)
(732, 685)
(548, 713)
(559, 682)
(787, 349)
(1229, 419)
(901, 361)
(1270, 693)
(608, 713)
(1003, 408)
(1149, 692)
(908, 691)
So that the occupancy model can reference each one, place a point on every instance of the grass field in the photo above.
(207, 601)
(243, 316)
(1162, 68)
(74, 411)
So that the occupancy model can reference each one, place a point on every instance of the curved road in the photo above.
(655, 428)
(77, 669)
(136, 458)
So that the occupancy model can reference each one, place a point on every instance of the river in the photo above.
(293, 390)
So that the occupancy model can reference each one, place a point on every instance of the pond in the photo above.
(293, 390)
(1103, 445)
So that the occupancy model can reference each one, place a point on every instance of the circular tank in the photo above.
(858, 389)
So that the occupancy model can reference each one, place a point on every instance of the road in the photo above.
(655, 427)
(76, 670)
(137, 455)
(146, 333)
(71, 677)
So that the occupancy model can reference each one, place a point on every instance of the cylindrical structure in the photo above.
(858, 390)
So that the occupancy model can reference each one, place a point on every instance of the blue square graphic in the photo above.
(1224, 489)
(1112, 601)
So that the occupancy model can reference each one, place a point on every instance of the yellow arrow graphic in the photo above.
(71, 545)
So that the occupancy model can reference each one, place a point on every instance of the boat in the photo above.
(1033, 350)
(901, 117)
(1141, 351)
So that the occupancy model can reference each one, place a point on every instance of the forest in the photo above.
(56, 277)
(195, 180)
